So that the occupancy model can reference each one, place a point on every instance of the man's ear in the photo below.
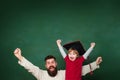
(56, 63)
(45, 65)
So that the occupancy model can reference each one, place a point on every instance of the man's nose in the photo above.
(51, 64)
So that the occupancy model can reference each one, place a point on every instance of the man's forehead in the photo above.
(51, 59)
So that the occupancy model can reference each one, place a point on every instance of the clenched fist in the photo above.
(17, 53)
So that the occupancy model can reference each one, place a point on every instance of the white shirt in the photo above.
(40, 74)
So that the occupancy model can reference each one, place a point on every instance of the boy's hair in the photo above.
(75, 45)
(49, 57)
(72, 49)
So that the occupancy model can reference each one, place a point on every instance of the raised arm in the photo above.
(27, 64)
(89, 50)
(94, 65)
(61, 48)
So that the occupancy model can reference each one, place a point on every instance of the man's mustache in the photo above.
(52, 73)
(51, 67)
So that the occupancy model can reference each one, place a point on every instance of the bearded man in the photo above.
(52, 73)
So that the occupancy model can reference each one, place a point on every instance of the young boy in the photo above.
(74, 59)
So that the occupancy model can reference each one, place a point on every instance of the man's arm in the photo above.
(61, 48)
(26, 64)
(94, 65)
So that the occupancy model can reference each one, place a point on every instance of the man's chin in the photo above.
(52, 72)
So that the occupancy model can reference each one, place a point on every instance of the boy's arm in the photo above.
(61, 48)
(89, 50)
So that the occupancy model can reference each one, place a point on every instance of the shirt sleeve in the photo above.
(30, 67)
(87, 52)
(62, 51)
(86, 68)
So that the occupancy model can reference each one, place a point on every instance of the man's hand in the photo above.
(98, 60)
(17, 53)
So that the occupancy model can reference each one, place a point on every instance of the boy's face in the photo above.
(72, 55)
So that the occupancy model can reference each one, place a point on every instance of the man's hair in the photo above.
(49, 57)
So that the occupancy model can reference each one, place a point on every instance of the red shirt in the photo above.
(74, 68)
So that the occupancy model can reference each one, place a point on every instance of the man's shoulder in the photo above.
(61, 71)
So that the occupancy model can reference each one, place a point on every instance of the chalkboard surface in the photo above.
(34, 26)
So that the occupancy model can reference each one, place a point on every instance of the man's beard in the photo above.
(52, 73)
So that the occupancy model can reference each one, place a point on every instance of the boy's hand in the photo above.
(58, 41)
(93, 44)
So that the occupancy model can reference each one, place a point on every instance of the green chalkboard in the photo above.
(34, 26)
